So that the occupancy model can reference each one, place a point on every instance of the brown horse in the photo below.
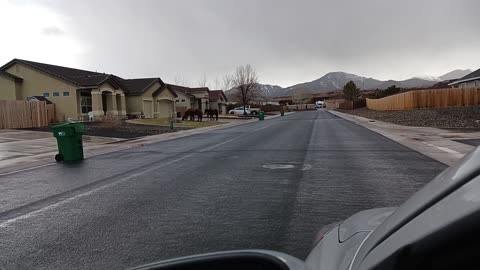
(199, 115)
(189, 114)
(212, 114)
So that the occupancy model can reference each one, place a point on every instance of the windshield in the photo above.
(137, 131)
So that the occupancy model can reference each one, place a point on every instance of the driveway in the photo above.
(267, 184)
(26, 147)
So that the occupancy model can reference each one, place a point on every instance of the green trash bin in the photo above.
(69, 141)
(261, 116)
(282, 113)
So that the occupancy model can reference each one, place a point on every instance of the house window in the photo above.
(46, 94)
(86, 103)
(176, 100)
(183, 100)
(56, 94)
(66, 94)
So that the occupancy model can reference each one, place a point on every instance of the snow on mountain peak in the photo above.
(427, 78)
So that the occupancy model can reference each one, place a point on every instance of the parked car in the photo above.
(253, 111)
(239, 111)
(437, 228)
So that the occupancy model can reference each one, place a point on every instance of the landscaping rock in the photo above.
(452, 117)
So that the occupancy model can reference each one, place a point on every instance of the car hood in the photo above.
(364, 221)
(443, 185)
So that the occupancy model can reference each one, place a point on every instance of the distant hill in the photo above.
(336, 80)
(456, 74)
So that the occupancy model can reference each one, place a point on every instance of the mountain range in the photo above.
(336, 80)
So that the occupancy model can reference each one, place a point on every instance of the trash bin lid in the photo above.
(77, 127)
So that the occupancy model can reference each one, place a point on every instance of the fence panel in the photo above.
(346, 105)
(23, 114)
(430, 98)
(300, 107)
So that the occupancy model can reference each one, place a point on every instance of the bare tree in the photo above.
(245, 83)
(180, 80)
(216, 83)
(203, 81)
(227, 82)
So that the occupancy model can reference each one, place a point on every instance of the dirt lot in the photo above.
(454, 117)
(121, 129)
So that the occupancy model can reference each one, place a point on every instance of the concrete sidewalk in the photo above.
(42, 146)
(439, 144)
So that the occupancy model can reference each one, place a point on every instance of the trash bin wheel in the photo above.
(59, 157)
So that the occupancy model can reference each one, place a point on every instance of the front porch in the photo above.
(101, 104)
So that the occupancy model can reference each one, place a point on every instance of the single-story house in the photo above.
(149, 97)
(468, 81)
(202, 97)
(77, 92)
(184, 100)
(218, 100)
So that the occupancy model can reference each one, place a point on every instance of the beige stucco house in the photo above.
(77, 92)
(184, 100)
(149, 97)
(200, 98)
(218, 101)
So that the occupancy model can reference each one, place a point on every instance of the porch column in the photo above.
(112, 109)
(97, 107)
(123, 103)
(174, 109)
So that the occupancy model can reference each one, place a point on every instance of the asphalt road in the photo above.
(270, 185)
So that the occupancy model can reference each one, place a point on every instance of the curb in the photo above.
(46, 159)
(426, 141)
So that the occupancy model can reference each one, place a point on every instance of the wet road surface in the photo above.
(267, 185)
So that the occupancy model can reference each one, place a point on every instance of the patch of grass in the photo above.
(166, 123)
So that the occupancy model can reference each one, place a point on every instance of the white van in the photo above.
(319, 104)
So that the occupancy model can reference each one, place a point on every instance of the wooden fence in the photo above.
(346, 105)
(339, 104)
(431, 98)
(300, 107)
(23, 114)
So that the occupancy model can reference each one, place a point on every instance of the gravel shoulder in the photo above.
(453, 117)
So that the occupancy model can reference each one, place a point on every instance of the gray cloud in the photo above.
(287, 41)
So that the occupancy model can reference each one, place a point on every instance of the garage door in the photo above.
(164, 108)
(148, 109)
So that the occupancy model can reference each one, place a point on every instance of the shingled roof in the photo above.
(215, 95)
(469, 77)
(138, 86)
(199, 89)
(10, 76)
(85, 78)
(472, 75)
(180, 89)
(82, 78)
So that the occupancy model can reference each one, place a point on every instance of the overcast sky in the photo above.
(288, 42)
